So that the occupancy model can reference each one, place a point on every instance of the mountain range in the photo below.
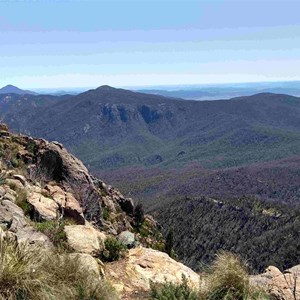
(110, 128)
(237, 158)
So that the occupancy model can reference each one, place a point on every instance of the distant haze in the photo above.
(199, 91)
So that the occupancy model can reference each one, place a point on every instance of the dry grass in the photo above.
(28, 273)
(228, 279)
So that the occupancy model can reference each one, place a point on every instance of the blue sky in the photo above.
(55, 44)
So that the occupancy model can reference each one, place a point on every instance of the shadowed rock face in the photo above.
(57, 164)
(60, 165)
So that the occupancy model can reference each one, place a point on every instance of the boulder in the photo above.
(127, 238)
(73, 209)
(2, 191)
(9, 196)
(85, 238)
(57, 194)
(143, 265)
(280, 286)
(11, 216)
(292, 277)
(60, 165)
(88, 262)
(29, 235)
(44, 207)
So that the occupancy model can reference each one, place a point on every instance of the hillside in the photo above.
(262, 233)
(275, 181)
(111, 128)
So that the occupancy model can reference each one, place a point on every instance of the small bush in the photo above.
(171, 291)
(54, 230)
(114, 249)
(139, 214)
(21, 201)
(106, 214)
(13, 186)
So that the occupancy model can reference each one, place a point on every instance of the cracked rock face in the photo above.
(281, 286)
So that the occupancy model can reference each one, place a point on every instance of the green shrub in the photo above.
(106, 213)
(29, 273)
(171, 291)
(15, 162)
(54, 230)
(114, 249)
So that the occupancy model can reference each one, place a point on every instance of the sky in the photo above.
(58, 44)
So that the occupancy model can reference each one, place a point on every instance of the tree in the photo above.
(139, 215)
(170, 242)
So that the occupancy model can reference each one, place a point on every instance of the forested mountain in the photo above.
(112, 128)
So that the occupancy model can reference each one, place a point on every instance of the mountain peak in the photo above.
(11, 89)
(106, 88)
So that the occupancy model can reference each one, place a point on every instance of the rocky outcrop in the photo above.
(55, 163)
(280, 286)
(68, 205)
(85, 196)
(143, 265)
